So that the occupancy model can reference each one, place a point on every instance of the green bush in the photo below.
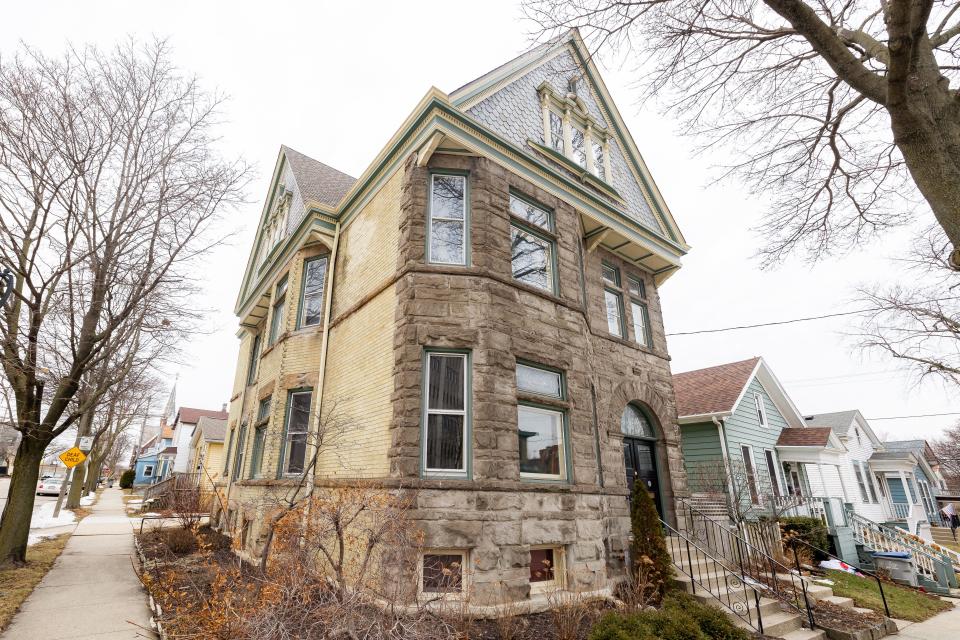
(126, 480)
(810, 530)
(648, 550)
(681, 618)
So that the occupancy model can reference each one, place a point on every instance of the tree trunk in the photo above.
(15, 524)
(76, 485)
(91, 483)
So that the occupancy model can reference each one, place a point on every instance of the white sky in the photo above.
(335, 80)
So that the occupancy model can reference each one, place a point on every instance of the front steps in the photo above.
(715, 587)
(943, 537)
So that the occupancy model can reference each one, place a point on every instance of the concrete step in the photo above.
(840, 601)
(818, 591)
(805, 634)
(781, 623)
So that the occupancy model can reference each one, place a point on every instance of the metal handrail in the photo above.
(708, 583)
(754, 563)
(793, 542)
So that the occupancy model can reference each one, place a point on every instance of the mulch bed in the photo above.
(153, 542)
(832, 616)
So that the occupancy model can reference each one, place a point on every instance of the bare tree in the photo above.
(917, 321)
(947, 450)
(110, 188)
(840, 110)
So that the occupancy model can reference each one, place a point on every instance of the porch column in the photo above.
(843, 485)
(906, 487)
(823, 481)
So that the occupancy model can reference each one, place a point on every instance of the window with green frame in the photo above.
(446, 419)
(541, 428)
(254, 360)
(241, 445)
(295, 432)
(613, 300)
(311, 292)
(639, 312)
(226, 459)
(278, 314)
(448, 225)
(533, 247)
(259, 437)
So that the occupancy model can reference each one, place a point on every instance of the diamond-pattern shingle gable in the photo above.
(316, 180)
(712, 390)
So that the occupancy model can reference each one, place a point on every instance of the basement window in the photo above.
(443, 572)
(546, 569)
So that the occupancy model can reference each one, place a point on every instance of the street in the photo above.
(5, 487)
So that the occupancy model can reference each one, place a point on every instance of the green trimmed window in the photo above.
(254, 360)
(533, 248)
(259, 437)
(613, 303)
(278, 316)
(556, 132)
(241, 445)
(295, 432)
(639, 313)
(579, 151)
(445, 430)
(448, 227)
(311, 297)
(226, 459)
(598, 162)
(541, 429)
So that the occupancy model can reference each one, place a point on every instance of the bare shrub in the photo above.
(187, 503)
(570, 612)
(509, 620)
(180, 541)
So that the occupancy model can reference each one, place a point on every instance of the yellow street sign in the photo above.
(72, 457)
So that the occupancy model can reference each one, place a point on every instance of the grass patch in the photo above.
(906, 604)
(16, 583)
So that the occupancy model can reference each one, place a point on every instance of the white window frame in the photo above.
(761, 407)
(638, 308)
(861, 482)
(776, 466)
(464, 574)
(559, 569)
(561, 444)
(465, 221)
(559, 378)
(148, 471)
(747, 450)
(427, 412)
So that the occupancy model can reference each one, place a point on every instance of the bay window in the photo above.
(445, 429)
(448, 225)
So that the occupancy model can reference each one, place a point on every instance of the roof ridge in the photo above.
(288, 149)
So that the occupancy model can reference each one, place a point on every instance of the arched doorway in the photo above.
(640, 452)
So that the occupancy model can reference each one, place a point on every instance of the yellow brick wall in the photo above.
(359, 377)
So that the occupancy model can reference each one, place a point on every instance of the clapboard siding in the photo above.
(701, 454)
(859, 450)
(743, 428)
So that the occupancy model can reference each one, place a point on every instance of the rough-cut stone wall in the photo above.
(495, 515)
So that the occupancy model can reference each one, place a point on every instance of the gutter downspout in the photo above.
(725, 454)
(324, 347)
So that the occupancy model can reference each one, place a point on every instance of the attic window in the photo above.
(569, 129)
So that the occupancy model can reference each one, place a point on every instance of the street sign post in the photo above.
(72, 457)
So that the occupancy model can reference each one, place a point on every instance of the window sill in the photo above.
(539, 480)
(526, 397)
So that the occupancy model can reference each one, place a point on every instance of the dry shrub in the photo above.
(509, 621)
(570, 612)
(180, 541)
(641, 589)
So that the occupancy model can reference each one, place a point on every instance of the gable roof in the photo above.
(715, 392)
(714, 389)
(839, 421)
(804, 437)
(212, 429)
(189, 415)
(317, 181)
(920, 447)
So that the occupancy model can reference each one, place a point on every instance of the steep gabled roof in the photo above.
(839, 421)
(212, 429)
(714, 389)
(318, 181)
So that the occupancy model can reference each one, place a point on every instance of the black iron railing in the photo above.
(709, 575)
(797, 542)
(765, 573)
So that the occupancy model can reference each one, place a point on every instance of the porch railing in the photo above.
(901, 510)
(935, 566)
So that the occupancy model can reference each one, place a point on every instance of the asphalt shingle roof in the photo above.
(190, 415)
(839, 421)
(213, 429)
(318, 181)
(804, 437)
(713, 389)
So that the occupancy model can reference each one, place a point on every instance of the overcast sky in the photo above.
(335, 81)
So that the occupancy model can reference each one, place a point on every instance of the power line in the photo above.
(922, 415)
(794, 320)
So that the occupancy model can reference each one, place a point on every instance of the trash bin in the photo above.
(898, 565)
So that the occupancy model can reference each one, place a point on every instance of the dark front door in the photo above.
(641, 463)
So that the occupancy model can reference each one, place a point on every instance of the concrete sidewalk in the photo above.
(943, 626)
(91, 592)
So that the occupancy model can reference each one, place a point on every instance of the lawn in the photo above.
(16, 583)
(906, 604)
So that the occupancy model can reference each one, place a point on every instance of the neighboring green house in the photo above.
(730, 417)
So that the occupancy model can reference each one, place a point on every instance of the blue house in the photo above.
(731, 417)
(155, 461)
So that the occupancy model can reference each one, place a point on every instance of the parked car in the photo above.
(49, 486)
